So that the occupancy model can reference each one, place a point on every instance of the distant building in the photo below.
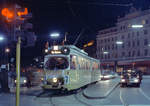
(126, 45)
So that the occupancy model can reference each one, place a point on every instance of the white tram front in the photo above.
(68, 67)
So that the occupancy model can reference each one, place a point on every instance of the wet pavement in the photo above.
(105, 93)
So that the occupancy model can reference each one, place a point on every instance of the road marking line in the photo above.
(144, 94)
(121, 99)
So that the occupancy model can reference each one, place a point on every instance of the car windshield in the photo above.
(56, 63)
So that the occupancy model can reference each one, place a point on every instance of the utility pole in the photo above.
(12, 16)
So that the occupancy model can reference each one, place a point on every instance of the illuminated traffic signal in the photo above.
(89, 44)
(12, 14)
(9, 14)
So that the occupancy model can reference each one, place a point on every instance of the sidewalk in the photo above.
(101, 89)
(9, 100)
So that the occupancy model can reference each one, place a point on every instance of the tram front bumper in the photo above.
(54, 83)
(52, 87)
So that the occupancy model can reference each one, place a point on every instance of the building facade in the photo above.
(127, 44)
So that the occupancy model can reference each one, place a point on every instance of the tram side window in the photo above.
(73, 62)
(88, 65)
(81, 62)
(95, 66)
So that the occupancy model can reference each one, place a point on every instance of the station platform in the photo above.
(101, 89)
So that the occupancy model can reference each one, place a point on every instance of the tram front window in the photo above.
(56, 63)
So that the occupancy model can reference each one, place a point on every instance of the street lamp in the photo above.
(137, 26)
(119, 42)
(7, 50)
(105, 52)
(1, 38)
(54, 35)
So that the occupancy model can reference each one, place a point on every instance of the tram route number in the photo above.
(66, 79)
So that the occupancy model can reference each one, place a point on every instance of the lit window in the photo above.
(143, 22)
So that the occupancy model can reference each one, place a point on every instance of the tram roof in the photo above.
(74, 49)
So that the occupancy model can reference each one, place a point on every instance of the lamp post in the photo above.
(1, 40)
(7, 50)
(118, 43)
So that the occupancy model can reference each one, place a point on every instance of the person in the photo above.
(28, 75)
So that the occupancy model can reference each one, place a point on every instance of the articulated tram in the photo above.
(68, 67)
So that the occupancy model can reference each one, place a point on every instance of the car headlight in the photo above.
(106, 76)
(136, 80)
(25, 81)
(123, 80)
(55, 79)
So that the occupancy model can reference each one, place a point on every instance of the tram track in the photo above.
(51, 101)
(79, 100)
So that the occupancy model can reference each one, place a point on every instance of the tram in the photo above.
(67, 67)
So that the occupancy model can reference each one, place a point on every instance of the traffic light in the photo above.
(13, 14)
(8, 14)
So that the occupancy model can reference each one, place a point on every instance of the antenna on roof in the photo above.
(82, 31)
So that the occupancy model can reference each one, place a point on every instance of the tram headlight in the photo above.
(25, 81)
(55, 79)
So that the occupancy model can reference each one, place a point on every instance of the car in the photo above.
(23, 80)
(130, 77)
(108, 75)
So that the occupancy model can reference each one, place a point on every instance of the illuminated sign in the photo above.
(55, 47)
(55, 52)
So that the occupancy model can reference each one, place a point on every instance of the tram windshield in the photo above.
(56, 63)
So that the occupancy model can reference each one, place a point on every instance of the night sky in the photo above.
(72, 16)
